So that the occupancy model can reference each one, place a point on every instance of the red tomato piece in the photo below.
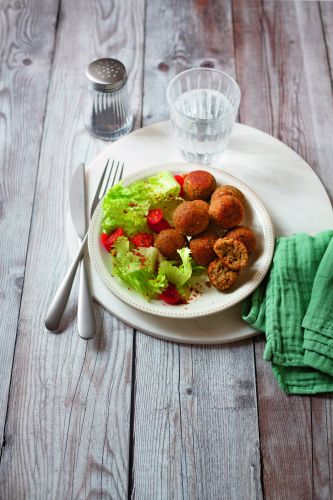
(163, 224)
(180, 179)
(171, 295)
(154, 216)
(143, 240)
(155, 220)
(109, 240)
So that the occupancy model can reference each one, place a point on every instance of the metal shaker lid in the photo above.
(106, 75)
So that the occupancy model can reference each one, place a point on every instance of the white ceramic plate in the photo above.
(211, 300)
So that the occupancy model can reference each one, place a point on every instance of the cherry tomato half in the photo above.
(154, 216)
(171, 295)
(143, 240)
(109, 240)
(180, 179)
(155, 220)
(163, 224)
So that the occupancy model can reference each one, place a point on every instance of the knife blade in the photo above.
(77, 201)
(77, 206)
(55, 312)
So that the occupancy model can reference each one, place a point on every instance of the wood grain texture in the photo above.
(322, 442)
(319, 103)
(283, 94)
(26, 46)
(286, 90)
(326, 14)
(195, 424)
(67, 432)
(192, 35)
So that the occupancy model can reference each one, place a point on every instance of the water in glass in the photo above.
(202, 112)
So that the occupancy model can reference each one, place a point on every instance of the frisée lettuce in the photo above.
(178, 275)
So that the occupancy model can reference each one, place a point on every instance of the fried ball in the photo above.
(190, 219)
(232, 253)
(245, 235)
(202, 247)
(220, 276)
(201, 203)
(230, 190)
(169, 241)
(226, 211)
(199, 185)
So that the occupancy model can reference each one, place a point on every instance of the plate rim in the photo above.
(171, 311)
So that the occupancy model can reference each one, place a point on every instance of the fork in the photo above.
(58, 305)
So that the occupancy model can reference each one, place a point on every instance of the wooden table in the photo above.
(126, 414)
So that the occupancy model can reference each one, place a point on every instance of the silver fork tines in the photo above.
(105, 182)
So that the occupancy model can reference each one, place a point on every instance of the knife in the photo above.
(77, 203)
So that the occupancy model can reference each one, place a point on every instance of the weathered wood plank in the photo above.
(195, 422)
(26, 46)
(285, 437)
(195, 408)
(318, 82)
(322, 442)
(326, 14)
(283, 72)
(192, 37)
(322, 407)
(67, 432)
(218, 421)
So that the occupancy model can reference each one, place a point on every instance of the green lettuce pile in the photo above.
(127, 206)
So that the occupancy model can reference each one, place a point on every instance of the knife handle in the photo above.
(85, 314)
(58, 305)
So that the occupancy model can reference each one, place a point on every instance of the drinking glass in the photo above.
(203, 106)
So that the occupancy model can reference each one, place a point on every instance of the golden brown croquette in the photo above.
(220, 276)
(230, 190)
(201, 203)
(169, 241)
(232, 253)
(199, 185)
(245, 235)
(202, 247)
(190, 219)
(226, 211)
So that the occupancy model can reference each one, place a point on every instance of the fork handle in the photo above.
(58, 305)
(85, 317)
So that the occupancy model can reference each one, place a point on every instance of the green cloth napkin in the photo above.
(294, 307)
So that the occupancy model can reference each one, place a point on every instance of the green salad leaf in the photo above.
(127, 206)
(137, 272)
(150, 255)
(181, 275)
(143, 282)
(196, 269)
(120, 213)
(178, 275)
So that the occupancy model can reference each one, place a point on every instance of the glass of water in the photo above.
(203, 106)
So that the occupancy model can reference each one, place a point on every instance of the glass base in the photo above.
(203, 159)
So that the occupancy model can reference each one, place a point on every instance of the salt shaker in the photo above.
(108, 111)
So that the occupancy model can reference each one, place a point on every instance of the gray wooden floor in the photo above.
(128, 415)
